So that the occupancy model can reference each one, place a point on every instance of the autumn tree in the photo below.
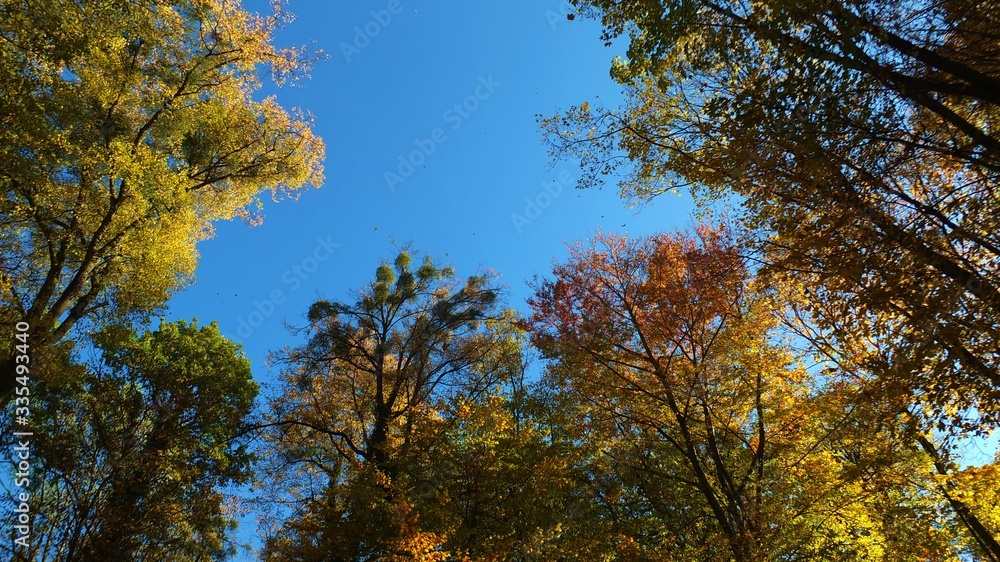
(861, 138)
(705, 438)
(131, 451)
(127, 130)
(665, 342)
(359, 407)
(885, 437)
(505, 483)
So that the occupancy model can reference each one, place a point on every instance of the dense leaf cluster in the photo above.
(795, 386)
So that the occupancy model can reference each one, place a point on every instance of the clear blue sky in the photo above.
(394, 91)
(503, 63)
(477, 164)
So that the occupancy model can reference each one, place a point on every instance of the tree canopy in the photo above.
(860, 140)
(795, 377)
(127, 130)
(133, 448)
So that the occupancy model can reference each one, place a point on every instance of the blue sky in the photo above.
(386, 95)
(453, 87)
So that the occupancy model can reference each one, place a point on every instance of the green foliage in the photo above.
(361, 401)
(127, 131)
(691, 407)
(131, 451)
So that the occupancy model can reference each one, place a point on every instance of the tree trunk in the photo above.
(986, 541)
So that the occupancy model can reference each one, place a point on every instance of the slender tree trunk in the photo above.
(986, 541)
